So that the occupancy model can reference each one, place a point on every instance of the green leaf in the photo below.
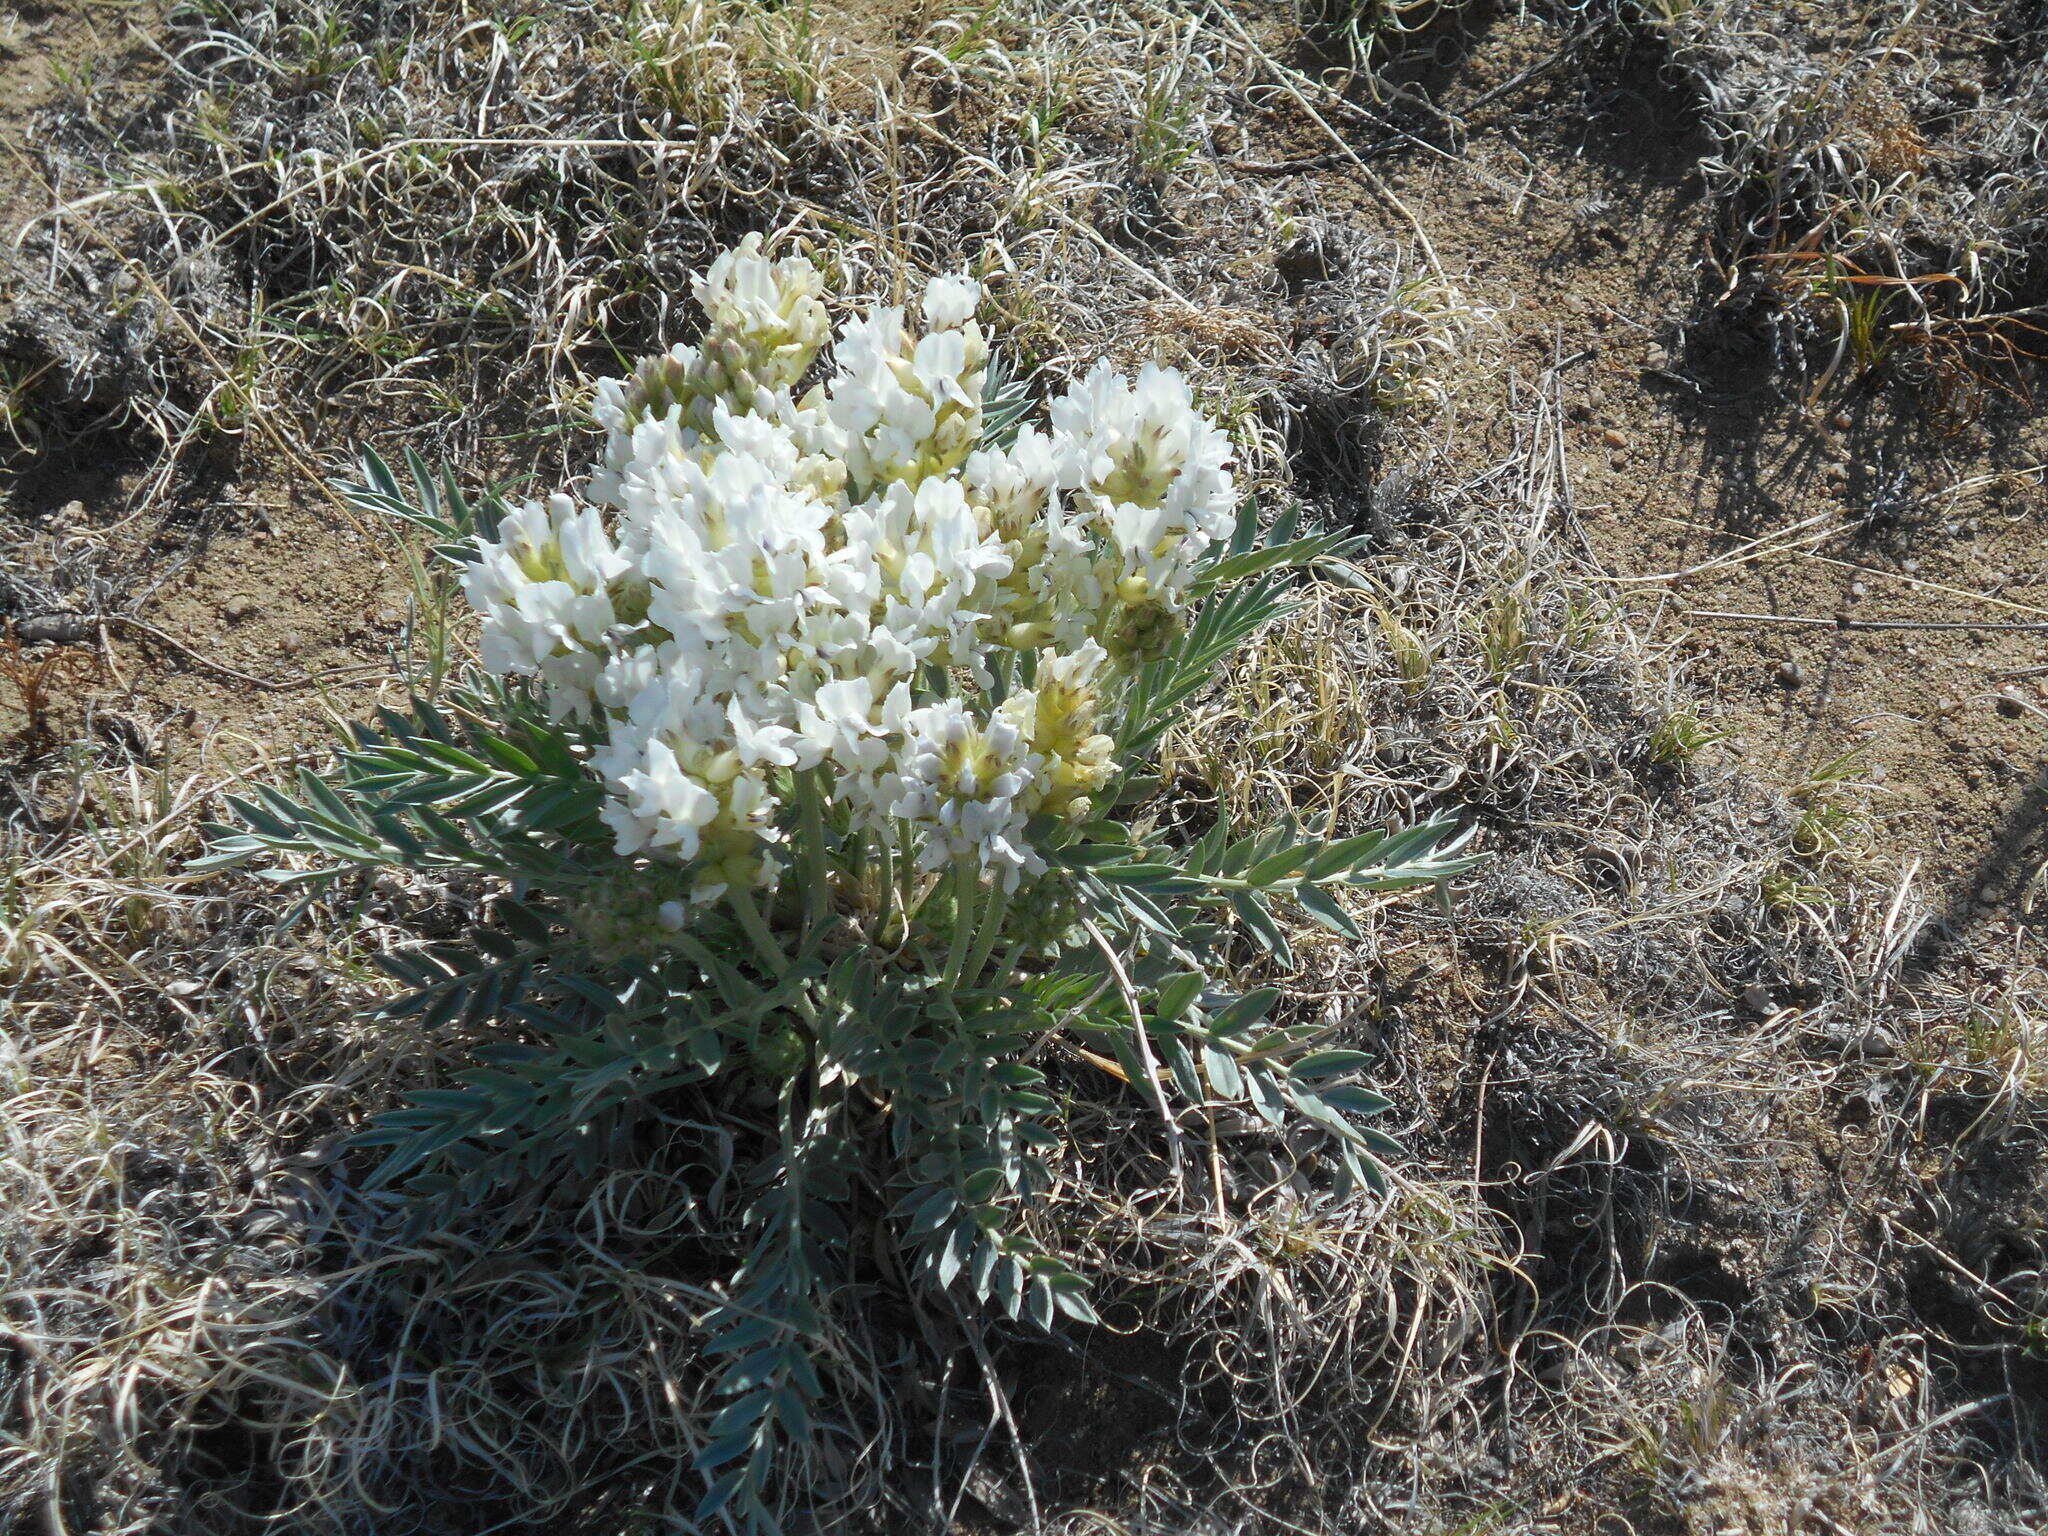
(1075, 1305)
(1353, 1100)
(1323, 908)
(1279, 866)
(1177, 995)
(1253, 914)
(1293, 554)
(1223, 1072)
(1319, 1064)
(1243, 1012)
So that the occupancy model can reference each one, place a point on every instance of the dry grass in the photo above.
(1880, 173)
(1724, 1212)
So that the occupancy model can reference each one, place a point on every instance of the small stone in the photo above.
(238, 608)
(390, 618)
(1841, 421)
(1757, 998)
(1656, 355)
(1614, 439)
(1859, 589)
(1619, 460)
(71, 512)
(1791, 674)
(1836, 472)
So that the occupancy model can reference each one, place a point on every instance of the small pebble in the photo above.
(239, 608)
(1791, 674)
(1859, 589)
(1836, 472)
(390, 618)
(1614, 439)
(1657, 356)
(1756, 998)
(1841, 421)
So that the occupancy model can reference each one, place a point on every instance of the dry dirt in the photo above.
(1574, 206)
(270, 600)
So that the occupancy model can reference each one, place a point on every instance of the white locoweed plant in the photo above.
(806, 749)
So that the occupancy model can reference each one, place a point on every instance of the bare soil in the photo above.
(268, 601)
(1575, 206)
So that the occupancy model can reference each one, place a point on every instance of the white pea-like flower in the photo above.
(767, 595)
(1145, 443)
(544, 586)
(968, 787)
(772, 309)
(950, 302)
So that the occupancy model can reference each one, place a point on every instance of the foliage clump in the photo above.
(809, 740)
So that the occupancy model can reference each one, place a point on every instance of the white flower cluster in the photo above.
(763, 584)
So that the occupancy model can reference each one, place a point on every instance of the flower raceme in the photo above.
(849, 592)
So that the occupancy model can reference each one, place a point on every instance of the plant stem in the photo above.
(966, 902)
(1008, 967)
(992, 915)
(748, 912)
(885, 897)
(817, 891)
